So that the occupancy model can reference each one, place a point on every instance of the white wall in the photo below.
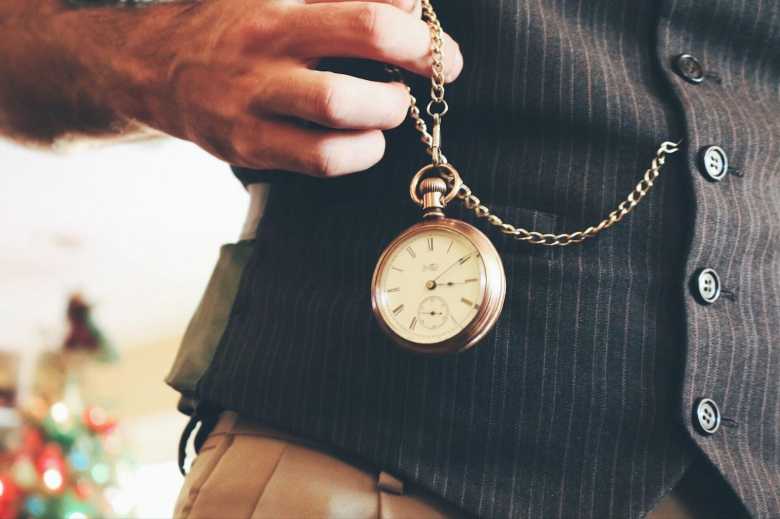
(135, 227)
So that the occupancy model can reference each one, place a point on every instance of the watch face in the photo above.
(430, 285)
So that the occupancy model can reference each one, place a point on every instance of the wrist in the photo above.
(125, 54)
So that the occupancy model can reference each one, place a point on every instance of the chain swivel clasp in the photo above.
(438, 158)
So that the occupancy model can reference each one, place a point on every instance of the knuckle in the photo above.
(365, 18)
(249, 148)
(369, 22)
(258, 28)
(258, 33)
(244, 149)
(325, 160)
(328, 103)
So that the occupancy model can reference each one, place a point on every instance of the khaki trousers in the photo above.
(246, 471)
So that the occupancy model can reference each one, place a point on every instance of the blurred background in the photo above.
(104, 253)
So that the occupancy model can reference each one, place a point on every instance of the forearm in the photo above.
(68, 70)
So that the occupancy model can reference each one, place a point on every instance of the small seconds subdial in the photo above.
(431, 286)
(433, 312)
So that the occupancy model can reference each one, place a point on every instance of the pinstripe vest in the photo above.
(579, 403)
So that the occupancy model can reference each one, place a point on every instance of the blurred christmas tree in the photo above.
(58, 456)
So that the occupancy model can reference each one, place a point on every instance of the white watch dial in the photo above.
(431, 286)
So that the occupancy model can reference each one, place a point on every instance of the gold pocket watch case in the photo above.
(439, 287)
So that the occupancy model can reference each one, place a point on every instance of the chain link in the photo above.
(561, 240)
(467, 196)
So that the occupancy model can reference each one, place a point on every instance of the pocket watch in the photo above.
(439, 286)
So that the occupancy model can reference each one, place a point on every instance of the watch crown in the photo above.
(433, 189)
(433, 184)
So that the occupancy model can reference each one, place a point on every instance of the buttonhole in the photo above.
(736, 172)
(728, 422)
(713, 76)
(728, 294)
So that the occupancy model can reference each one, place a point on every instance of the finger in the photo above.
(285, 145)
(368, 30)
(334, 100)
(405, 5)
(417, 9)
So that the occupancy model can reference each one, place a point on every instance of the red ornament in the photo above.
(32, 440)
(51, 457)
(9, 498)
(83, 490)
(8, 489)
(98, 420)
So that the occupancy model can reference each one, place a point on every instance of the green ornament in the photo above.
(101, 473)
(64, 433)
(71, 507)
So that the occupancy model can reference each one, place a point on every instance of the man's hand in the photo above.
(233, 76)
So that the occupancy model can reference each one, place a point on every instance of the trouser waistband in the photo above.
(676, 505)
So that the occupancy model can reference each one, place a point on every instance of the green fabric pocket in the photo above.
(210, 319)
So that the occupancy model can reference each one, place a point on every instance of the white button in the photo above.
(707, 286)
(706, 416)
(714, 163)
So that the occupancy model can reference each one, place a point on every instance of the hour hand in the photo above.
(451, 283)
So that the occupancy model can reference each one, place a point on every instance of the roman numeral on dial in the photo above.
(430, 244)
(468, 302)
(398, 309)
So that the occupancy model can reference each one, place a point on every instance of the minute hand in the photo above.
(460, 261)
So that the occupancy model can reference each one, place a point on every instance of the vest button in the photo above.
(690, 68)
(706, 286)
(706, 416)
(713, 163)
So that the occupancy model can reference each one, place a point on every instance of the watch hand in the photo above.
(464, 282)
(461, 261)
